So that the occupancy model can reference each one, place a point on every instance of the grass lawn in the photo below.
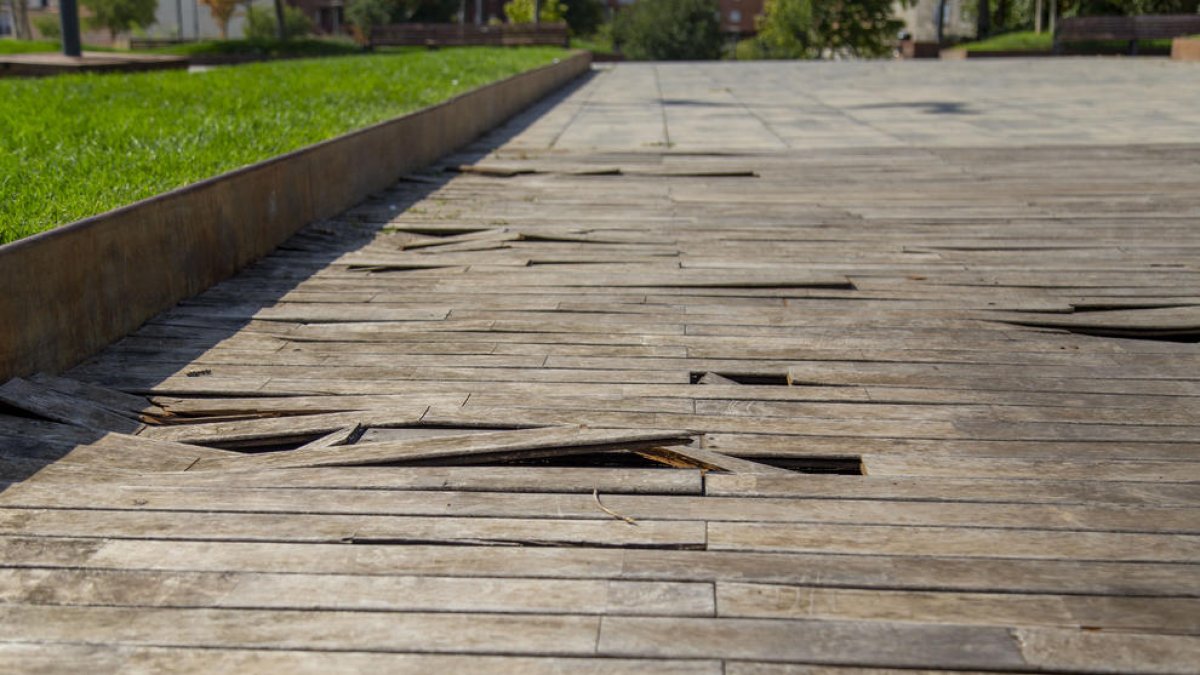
(27, 46)
(73, 146)
(1029, 41)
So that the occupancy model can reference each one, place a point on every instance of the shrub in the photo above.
(260, 23)
(669, 30)
(48, 26)
(521, 11)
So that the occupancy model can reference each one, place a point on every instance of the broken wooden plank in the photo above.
(65, 408)
(471, 448)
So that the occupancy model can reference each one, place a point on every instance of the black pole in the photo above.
(941, 22)
(537, 12)
(68, 13)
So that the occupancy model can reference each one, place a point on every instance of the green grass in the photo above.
(1025, 41)
(27, 46)
(1028, 41)
(72, 146)
(597, 44)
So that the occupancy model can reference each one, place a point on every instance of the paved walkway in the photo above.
(704, 368)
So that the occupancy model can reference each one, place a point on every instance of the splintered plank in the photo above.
(147, 588)
(66, 408)
(501, 445)
(116, 401)
(278, 430)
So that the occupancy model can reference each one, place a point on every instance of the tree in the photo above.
(669, 30)
(222, 11)
(584, 16)
(118, 16)
(262, 25)
(521, 11)
(366, 14)
(20, 15)
(813, 29)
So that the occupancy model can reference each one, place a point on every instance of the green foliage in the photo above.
(664, 30)
(521, 11)
(72, 146)
(49, 26)
(260, 23)
(366, 14)
(585, 17)
(117, 16)
(813, 29)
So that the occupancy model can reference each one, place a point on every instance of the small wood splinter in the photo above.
(614, 514)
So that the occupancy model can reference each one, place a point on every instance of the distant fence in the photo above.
(465, 35)
(1131, 28)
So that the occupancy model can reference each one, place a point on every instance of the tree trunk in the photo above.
(279, 27)
(21, 25)
(1037, 17)
(983, 22)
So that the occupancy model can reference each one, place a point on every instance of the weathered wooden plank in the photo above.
(949, 541)
(327, 528)
(52, 658)
(141, 588)
(225, 499)
(366, 631)
(933, 488)
(905, 645)
(1157, 615)
(921, 572)
(458, 478)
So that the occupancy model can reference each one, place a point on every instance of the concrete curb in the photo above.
(70, 291)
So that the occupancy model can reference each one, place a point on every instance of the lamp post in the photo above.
(68, 13)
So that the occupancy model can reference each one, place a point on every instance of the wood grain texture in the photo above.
(758, 369)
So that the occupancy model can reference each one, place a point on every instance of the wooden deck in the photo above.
(697, 369)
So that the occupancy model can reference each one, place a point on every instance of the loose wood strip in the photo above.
(525, 443)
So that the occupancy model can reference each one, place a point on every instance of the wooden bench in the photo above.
(463, 35)
(1131, 28)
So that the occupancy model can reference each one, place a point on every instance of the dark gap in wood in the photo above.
(593, 460)
(1187, 337)
(441, 232)
(402, 541)
(1097, 307)
(842, 466)
(758, 379)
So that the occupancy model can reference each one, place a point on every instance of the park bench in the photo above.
(1131, 28)
(463, 35)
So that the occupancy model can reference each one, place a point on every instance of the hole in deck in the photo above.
(757, 379)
